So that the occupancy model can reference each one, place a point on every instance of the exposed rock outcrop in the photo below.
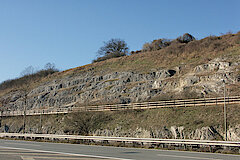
(86, 88)
(234, 133)
(204, 133)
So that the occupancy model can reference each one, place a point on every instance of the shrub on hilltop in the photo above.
(112, 49)
(185, 38)
(163, 43)
(29, 75)
(156, 45)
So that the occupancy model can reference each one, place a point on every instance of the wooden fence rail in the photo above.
(118, 107)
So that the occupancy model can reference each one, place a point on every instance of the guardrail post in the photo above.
(204, 101)
(145, 105)
(40, 127)
(225, 112)
(1, 118)
(228, 97)
(24, 119)
(184, 147)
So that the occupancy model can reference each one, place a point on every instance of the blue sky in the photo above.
(69, 32)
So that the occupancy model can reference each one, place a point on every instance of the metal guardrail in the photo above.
(124, 139)
(117, 107)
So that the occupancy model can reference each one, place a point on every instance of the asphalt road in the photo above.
(29, 150)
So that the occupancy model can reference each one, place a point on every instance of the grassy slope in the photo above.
(191, 54)
(183, 55)
(81, 123)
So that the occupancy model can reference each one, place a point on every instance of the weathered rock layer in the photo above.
(87, 88)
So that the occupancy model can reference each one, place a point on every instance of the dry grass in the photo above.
(83, 122)
(189, 117)
(177, 54)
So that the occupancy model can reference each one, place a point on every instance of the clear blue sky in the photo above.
(69, 32)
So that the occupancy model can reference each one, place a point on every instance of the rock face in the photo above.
(234, 133)
(173, 132)
(87, 88)
(177, 132)
(204, 133)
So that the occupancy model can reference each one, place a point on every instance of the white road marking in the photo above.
(48, 158)
(22, 144)
(26, 158)
(176, 151)
(73, 154)
(175, 156)
(39, 155)
(22, 153)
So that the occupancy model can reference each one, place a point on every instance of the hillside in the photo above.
(181, 70)
(191, 70)
(204, 122)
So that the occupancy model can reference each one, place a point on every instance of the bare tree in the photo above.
(112, 48)
(28, 71)
(50, 66)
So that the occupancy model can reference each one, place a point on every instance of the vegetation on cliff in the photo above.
(186, 55)
(155, 123)
(129, 76)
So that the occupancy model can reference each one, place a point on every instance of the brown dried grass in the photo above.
(177, 54)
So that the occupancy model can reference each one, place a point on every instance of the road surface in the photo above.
(29, 150)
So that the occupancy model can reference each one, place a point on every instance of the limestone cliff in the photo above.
(87, 88)
(179, 71)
